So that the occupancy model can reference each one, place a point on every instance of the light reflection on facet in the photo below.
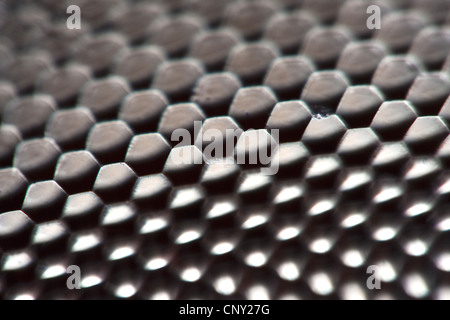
(353, 291)
(387, 194)
(49, 231)
(53, 271)
(254, 221)
(416, 286)
(387, 271)
(160, 295)
(321, 283)
(222, 248)
(321, 207)
(418, 209)
(289, 296)
(288, 193)
(355, 180)
(16, 261)
(253, 182)
(353, 220)
(443, 293)
(444, 225)
(289, 271)
(219, 209)
(258, 292)
(152, 225)
(288, 233)
(442, 261)
(225, 285)
(187, 236)
(444, 188)
(120, 253)
(185, 197)
(191, 274)
(125, 290)
(421, 168)
(256, 259)
(353, 258)
(322, 166)
(90, 281)
(321, 245)
(416, 248)
(85, 242)
(156, 263)
(116, 214)
(24, 297)
(385, 233)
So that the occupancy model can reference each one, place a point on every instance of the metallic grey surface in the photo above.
(88, 177)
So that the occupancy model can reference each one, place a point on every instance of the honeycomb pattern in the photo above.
(87, 176)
